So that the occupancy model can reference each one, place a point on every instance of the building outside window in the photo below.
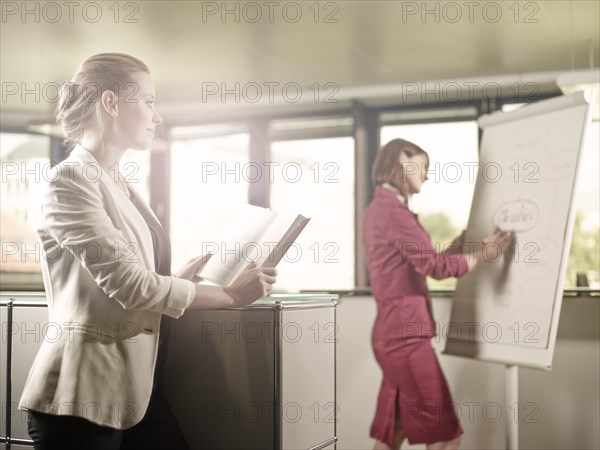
(584, 259)
(444, 203)
(25, 172)
(315, 178)
(583, 269)
(208, 183)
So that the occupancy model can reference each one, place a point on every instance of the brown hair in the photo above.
(78, 108)
(387, 167)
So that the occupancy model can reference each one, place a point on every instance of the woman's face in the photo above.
(135, 125)
(414, 171)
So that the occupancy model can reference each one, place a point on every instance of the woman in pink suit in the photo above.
(414, 401)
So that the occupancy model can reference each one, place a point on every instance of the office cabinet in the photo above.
(257, 377)
(24, 326)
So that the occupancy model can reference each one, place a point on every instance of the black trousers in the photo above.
(158, 430)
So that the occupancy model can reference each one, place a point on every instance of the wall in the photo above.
(557, 409)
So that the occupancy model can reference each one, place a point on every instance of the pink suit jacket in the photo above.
(400, 255)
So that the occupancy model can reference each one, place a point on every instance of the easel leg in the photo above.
(512, 403)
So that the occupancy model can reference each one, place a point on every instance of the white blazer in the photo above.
(104, 300)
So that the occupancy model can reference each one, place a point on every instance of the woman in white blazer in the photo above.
(106, 270)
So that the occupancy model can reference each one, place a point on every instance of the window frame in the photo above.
(28, 281)
(366, 129)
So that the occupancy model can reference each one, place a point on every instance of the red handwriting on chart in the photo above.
(519, 215)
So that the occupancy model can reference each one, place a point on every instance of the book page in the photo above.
(278, 238)
(238, 244)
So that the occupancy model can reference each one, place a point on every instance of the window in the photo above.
(444, 202)
(584, 260)
(583, 269)
(25, 171)
(208, 183)
(315, 178)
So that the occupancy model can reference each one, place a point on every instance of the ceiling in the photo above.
(375, 51)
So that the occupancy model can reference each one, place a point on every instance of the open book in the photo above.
(252, 234)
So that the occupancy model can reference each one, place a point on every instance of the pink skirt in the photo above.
(413, 391)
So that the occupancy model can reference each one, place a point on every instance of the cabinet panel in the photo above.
(220, 378)
(308, 377)
(30, 326)
(254, 378)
